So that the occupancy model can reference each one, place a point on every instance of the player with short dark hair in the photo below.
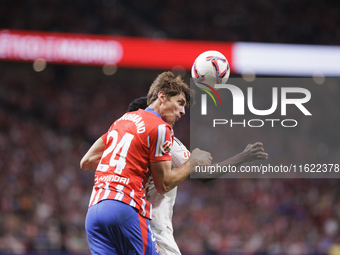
(138, 103)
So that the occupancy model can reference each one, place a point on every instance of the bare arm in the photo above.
(166, 179)
(251, 152)
(92, 157)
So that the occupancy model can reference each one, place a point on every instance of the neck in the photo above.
(155, 106)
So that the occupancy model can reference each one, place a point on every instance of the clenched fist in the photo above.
(199, 158)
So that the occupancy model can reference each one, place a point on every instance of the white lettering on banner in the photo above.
(59, 49)
(3, 45)
(32, 47)
(49, 53)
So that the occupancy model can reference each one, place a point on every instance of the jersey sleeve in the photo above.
(104, 137)
(179, 153)
(160, 142)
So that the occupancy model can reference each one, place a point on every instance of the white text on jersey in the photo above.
(111, 178)
(140, 125)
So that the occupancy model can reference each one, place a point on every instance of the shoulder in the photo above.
(178, 142)
(154, 122)
(178, 145)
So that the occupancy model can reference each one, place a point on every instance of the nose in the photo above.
(182, 111)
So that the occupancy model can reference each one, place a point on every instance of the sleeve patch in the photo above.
(166, 147)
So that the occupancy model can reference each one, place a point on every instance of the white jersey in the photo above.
(162, 205)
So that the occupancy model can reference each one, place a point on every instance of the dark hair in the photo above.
(139, 103)
(170, 85)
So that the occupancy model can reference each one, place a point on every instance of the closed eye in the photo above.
(181, 102)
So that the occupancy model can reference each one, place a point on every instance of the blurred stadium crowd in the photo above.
(48, 120)
(284, 21)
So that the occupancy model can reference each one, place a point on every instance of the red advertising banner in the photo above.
(137, 52)
(85, 49)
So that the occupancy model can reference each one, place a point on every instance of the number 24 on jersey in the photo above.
(111, 152)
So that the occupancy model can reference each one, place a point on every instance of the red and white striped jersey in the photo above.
(131, 143)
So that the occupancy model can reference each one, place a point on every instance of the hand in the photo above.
(254, 152)
(200, 158)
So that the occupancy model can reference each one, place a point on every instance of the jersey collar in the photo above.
(148, 109)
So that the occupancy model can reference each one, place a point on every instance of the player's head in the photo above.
(171, 86)
(139, 103)
(168, 95)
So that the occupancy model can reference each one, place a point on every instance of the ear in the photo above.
(161, 96)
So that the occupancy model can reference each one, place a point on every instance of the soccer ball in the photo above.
(210, 68)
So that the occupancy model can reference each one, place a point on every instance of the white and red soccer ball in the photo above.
(210, 68)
